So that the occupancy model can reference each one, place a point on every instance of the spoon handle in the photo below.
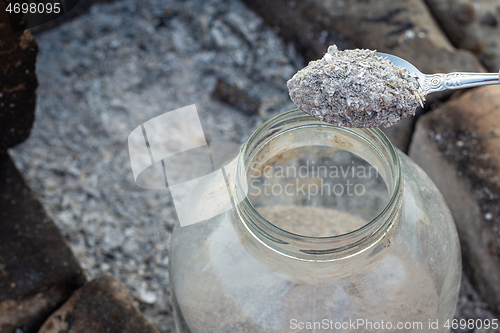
(438, 82)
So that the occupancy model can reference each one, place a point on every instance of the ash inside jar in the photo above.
(312, 221)
(355, 88)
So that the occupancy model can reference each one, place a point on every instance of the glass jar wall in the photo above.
(332, 229)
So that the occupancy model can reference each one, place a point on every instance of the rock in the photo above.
(403, 28)
(470, 306)
(234, 96)
(458, 145)
(471, 25)
(400, 133)
(38, 271)
(104, 305)
(18, 80)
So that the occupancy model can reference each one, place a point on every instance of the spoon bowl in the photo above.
(430, 83)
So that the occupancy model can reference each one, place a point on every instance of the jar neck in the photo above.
(370, 144)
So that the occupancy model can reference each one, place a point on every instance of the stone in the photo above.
(406, 29)
(102, 306)
(38, 271)
(18, 79)
(458, 145)
(470, 305)
(400, 133)
(230, 94)
(471, 25)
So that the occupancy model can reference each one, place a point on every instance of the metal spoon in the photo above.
(437, 82)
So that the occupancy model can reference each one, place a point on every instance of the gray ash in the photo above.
(355, 88)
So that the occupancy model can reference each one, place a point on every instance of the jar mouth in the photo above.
(371, 140)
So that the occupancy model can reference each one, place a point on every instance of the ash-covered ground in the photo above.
(107, 72)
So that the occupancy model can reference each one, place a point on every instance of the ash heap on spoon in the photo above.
(363, 88)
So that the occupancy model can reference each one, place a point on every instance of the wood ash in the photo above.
(355, 88)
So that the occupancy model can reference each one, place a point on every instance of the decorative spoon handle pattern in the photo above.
(458, 80)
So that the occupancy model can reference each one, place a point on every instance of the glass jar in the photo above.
(379, 254)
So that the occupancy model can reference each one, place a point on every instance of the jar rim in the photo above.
(307, 247)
